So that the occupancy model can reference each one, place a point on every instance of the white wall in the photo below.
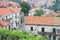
(39, 28)
(12, 21)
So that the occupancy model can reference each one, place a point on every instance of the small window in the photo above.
(54, 37)
(42, 29)
(6, 27)
(6, 16)
(54, 30)
(9, 26)
(58, 31)
(35, 29)
(49, 37)
(16, 24)
(31, 28)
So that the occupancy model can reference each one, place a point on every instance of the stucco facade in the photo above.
(37, 29)
(14, 20)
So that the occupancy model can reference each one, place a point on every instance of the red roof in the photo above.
(3, 23)
(39, 20)
(33, 20)
(14, 3)
(4, 11)
(13, 9)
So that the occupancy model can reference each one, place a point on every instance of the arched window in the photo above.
(31, 28)
(54, 34)
(42, 29)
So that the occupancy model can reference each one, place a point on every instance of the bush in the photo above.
(6, 34)
(38, 12)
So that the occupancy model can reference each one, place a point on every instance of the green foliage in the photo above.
(25, 7)
(38, 13)
(56, 8)
(6, 34)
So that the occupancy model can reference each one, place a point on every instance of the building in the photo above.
(32, 11)
(39, 2)
(45, 11)
(3, 0)
(10, 16)
(48, 26)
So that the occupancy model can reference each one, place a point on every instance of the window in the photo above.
(35, 29)
(54, 35)
(31, 28)
(16, 24)
(6, 16)
(42, 29)
(9, 26)
(54, 30)
(58, 31)
(49, 37)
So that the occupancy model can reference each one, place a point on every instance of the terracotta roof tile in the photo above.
(14, 9)
(14, 3)
(4, 4)
(4, 11)
(42, 20)
(57, 20)
(39, 20)
(3, 23)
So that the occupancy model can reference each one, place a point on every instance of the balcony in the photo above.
(47, 33)
(58, 31)
(7, 19)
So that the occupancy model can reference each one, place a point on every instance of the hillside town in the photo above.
(40, 17)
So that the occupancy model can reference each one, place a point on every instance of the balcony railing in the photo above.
(48, 33)
(7, 19)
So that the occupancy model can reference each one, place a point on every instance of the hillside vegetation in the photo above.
(6, 34)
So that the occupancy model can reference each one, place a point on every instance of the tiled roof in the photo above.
(4, 11)
(14, 9)
(4, 4)
(39, 20)
(42, 20)
(8, 3)
(14, 3)
(57, 20)
(3, 23)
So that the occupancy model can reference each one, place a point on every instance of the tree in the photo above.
(6, 34)
(25, 7)
(56, 6)
(38, 12)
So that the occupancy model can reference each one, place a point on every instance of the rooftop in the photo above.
(36, 20)
(13, 9)
(4, 11)
(5, 8)
(3, 23)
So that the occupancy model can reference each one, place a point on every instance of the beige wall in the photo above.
(38, 28)
(15, 19)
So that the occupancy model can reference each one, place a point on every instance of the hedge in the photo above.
(6, 34)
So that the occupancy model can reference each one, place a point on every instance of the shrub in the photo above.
(6, 34)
